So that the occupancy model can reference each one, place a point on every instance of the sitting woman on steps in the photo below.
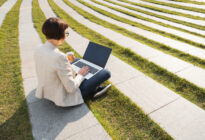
(56, 79)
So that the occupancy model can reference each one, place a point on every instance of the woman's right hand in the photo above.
(84, 70)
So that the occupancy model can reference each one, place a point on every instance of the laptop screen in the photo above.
(97, 54)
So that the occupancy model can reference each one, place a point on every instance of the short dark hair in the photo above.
(54, 28)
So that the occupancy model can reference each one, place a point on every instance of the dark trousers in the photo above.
(88, 87)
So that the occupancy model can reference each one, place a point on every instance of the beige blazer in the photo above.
(55, 79)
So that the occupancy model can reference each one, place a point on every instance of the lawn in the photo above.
(2, 2)
(14, 117)
(161, 75)
(121, 118)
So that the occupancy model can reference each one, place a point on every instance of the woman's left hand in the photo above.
(70, 56)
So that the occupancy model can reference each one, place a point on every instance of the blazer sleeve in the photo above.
(64, 72)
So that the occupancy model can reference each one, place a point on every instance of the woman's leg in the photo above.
(88, 87)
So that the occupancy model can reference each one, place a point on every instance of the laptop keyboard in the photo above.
(91, 69)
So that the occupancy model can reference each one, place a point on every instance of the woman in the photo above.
(56, 80)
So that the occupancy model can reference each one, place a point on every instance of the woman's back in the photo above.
(48, 68)
(46, 56)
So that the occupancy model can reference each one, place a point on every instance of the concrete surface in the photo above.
(138, 48)
(184, 4)
(172, 9)
(198, 78)
(49, 121)
(182, 119)
(158, 19)
(150, 24)
(184, 47)
(198, 22)
(147, 90)
(5, 8)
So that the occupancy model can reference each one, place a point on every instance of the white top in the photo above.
(55, 79)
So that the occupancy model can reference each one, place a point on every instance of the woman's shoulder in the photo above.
(38, 50)
(46, 51)
(61, 56)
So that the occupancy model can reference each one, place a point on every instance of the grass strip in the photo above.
(159, 16)
(199, 10)
(165, 17)
(190, 1)
(127, 120)
(14, 117)
(2, 2)
(164, 10)
(171, 81)
(184, 56)
(133, 23)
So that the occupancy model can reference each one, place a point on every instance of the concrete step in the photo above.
(5, 8)
(157, 18)
(198, 22)
(172, 9)
(149, 24)
(151, 96)
(198, 0)
(49, 121)
(185, 4)
(168, 62)
(192, 50)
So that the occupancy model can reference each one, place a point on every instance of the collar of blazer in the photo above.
(50, 45)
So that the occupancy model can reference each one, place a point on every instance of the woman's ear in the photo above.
(61, 41)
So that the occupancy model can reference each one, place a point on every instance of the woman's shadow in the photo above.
(52, 122)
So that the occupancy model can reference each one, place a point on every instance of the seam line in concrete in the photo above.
(184, 69)
(163, 106)
(30, 77)
(80, 131)
(161, 54)
(126, 80)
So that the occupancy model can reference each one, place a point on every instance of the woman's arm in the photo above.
(64, 71)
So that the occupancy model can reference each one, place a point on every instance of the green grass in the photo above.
(163, 17)
(14, 118)
(165, 10)
(184, 56)
(178, 85)
(125, 20)
(189, 1)
(158, 16)
(2, 2)
(120, 117)
(199, 10)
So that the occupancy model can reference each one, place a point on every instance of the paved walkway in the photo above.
(5, 8)
(168, 62)
(118, 67)
(155, 99)
(49, 121)
(181, 68)
(199, 22)
(198, 0)
(172, 9)
(150, 24)
(185, 4)
(156, 18)
(184, 47)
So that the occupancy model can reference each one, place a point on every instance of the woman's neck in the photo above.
(54, 42)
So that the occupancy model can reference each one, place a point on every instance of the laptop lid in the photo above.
(97, 54)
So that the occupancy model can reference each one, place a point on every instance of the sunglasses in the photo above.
(67, 33)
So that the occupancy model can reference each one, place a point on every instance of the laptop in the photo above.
(95, 57)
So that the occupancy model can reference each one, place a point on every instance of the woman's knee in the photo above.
(107, 73)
